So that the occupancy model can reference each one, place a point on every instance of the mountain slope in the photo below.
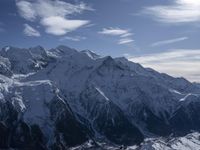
(69, 97)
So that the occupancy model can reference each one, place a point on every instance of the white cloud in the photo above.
(49, 8)
(60, 26)
(180, 11)
(165, 42)
(114, 31)
(53, 14)
(126, 35)
(30, 31)
(75, 38)
(26, 10)
(125, 41)
(123, 34)
(178, 63)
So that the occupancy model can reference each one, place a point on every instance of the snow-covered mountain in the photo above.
(188, 142)
(61, 98)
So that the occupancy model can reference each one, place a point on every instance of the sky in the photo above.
(161, 34)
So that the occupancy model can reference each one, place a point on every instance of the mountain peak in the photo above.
(65, 48)
(62, 50)
(91, 54)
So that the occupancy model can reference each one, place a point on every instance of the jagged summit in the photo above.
(64, 97)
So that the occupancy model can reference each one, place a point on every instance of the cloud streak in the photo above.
(180, 11)
(30, 31)
(125, 41)
(177, 63)
(123, 34)
(114, 31)
(53, 15)
(166, 42)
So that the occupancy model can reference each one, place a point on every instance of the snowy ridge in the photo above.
(188, 142)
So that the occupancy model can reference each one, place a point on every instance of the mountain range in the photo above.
(62, 98)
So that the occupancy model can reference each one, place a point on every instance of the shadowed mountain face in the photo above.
(61, 98)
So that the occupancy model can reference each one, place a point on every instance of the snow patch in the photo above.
(185, 98)
(175, 91)
(102, 93)
(17, 102)
(7, 48)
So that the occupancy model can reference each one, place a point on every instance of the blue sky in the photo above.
(162, 34)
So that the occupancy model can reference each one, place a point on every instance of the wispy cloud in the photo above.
(178, 63)
(30, 31)
(26, 10)
(180, 11)
(123, 34)
(171, 41)
(125, 41)
(126, 35)
(114, 31)
(74, 38)
(53, 15)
